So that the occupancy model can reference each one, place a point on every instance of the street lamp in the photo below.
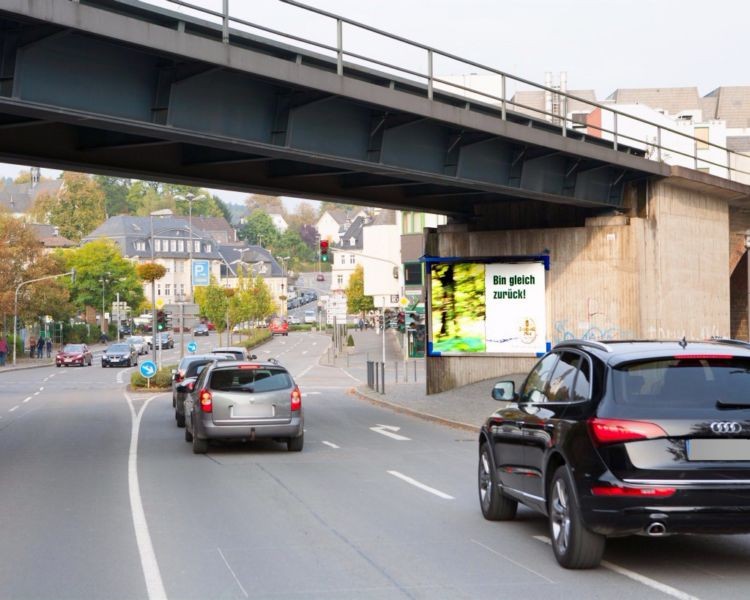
(104, 281)
(190, 198)
(283, 260)
(154, 339)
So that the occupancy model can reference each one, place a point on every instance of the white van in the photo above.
(309, 316)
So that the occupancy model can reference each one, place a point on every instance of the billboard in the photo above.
(487, 306)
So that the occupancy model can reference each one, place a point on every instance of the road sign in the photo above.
(192, 347)
(188, 308)
(201, 273)
(148, 369)
(403, 301)
(160, 303)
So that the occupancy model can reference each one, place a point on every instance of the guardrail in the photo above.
(657, 143)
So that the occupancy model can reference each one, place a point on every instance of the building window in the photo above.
(196, 245)
(413, 274)
(340, 280)
(208, 247)
(173, 245)
(140, 246)
(157, 245)
(352, 259)
(343, 259)
(167, 289)
(701, 138)
(158, 289)
(182, 290)
(180, 245)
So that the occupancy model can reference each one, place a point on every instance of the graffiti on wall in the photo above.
(588, 331)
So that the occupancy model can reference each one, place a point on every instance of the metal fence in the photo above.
(656, 141)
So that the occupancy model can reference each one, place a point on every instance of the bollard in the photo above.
(382, 378)
(396, 365)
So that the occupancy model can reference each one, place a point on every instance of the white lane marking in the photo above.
(41, 389)
(14, 408)
(350, 375)
(509, 559)
(421, 486)
(226, 562)
(304, 352)
(332, 445)
(36, 393)
(305, 372)
(390, 431)
(53, 374)
(647, 581)
(25, 400)
(151, 573)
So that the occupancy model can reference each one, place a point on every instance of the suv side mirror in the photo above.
(504, 391)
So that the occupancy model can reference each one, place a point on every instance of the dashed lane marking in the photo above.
(331, 444)
(647, 581)
(36, 393)
(25, 400)
(509, 559)
(14, 408)
(421, 486)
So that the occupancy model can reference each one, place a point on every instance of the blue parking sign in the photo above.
(201, 272)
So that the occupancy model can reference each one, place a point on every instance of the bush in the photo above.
(162, 379)
(350, 341)
(256, 338)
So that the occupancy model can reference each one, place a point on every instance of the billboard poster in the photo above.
(487, 308)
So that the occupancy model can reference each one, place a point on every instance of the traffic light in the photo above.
(160, 320)
(323, 250)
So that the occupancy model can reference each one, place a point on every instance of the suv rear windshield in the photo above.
(262, 379)
(711, 382)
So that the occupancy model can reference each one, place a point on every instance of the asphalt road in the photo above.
(102, 498)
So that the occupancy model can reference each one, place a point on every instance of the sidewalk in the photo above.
(466, 407)
(24, 362)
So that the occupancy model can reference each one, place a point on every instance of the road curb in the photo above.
(25, 367)
(414, 413)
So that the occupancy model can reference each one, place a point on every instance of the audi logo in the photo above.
(726, 427)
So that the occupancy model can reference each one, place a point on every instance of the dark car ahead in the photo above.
(120, 355)
(74, 354)
(200, 329)
(620, 438)
(183, 380)
(244, 401)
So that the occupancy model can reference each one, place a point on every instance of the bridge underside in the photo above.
(83, 101)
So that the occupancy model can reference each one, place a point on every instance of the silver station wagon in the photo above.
(244, 401)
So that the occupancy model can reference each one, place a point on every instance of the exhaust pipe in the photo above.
(656, 529)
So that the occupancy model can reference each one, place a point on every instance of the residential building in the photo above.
(49, 237)
(329, 225)
(381, 259)
(217, 227)
(18, 198)
(279, 222)
(346, 255)
(412, 226)
(251, 261)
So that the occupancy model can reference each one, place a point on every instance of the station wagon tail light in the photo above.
(296, 399)
(206, 400)
(249, 367)
(632, 492)
(613, 431)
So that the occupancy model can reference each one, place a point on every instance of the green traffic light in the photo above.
(324, 258)
(160, 326)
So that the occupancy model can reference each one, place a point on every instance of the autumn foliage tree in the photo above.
(356, 301)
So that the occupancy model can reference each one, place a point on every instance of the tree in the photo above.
(309, 235)
(260, 230)
(101, 260)
(264, 203)
(356, 301)
(213, 304)
(116, 190)
(292, 245)
(76, 210)
(22, 259)
(304, 215)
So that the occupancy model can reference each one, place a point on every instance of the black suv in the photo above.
(623, 437)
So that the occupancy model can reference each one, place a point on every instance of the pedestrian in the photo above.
(32, 346)
(40, 347)
(361, 324)
(3, 350)
(49, 347)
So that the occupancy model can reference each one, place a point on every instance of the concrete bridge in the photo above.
(637, 248)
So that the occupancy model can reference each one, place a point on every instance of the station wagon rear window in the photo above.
(263, 379)
(710, 382)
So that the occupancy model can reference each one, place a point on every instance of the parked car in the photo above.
(294, 320)
(238, 352)
(125, 330)
(184, 377)
(74, 354)
(120, 354)
(278, 326)
(200, 329)
(320, 277)
(623, 438)
(244, 401)
(310, 316)
(141, 346)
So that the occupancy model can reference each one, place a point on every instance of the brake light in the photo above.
(206, 400)
(191, 386)
(632, 492)
(179, 376)
(249, 367)
(296, 399)
(612, 431)
(700, 356)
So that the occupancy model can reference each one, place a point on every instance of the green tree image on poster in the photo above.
(458, 308)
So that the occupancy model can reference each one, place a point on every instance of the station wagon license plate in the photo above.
(725, 450)
(253, 411)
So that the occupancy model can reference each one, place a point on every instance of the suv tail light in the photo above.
(179, 376)
(633, 492)
(296, 399)
(206, 400)
(613, 431)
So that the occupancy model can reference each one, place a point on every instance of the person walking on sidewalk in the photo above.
(40, 347)
(32, 346)
(49, 347)
(3, 350)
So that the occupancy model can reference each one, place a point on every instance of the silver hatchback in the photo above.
(246, 401)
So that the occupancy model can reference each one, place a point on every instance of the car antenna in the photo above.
(683, 342)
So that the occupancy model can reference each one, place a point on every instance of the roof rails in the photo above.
(590, 343)
(730, 341)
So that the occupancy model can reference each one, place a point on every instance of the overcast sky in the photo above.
(600, 44)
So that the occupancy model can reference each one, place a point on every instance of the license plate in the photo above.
(725, 450)
(253, 411)
(68, 360)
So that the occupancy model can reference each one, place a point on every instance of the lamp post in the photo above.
(154, 331)
(104, 280)
(283, 260)
(190, 198)
(72, 273)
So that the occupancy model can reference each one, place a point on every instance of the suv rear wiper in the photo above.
(723, 404)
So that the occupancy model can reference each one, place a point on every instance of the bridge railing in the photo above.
(620, 128)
